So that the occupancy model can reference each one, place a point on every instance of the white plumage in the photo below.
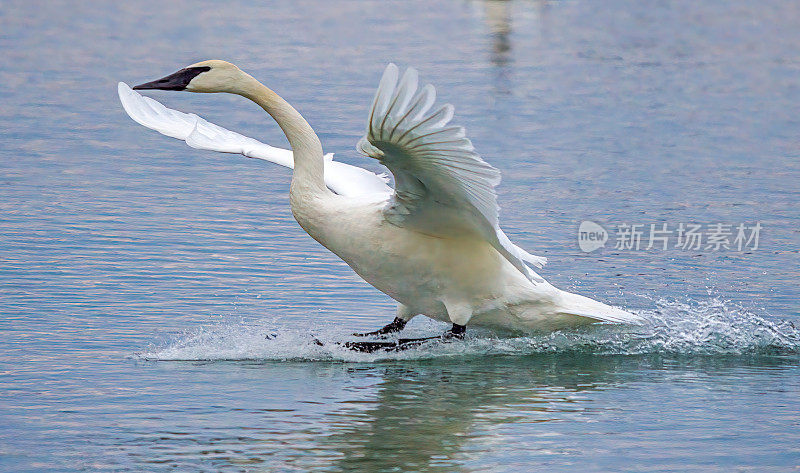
(442, 186)
(200, 133)
(433, 243)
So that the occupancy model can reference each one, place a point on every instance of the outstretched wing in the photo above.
(199, 133)
(442, 186)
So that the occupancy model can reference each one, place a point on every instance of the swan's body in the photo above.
(433, 244)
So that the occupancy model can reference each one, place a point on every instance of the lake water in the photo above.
(158, 302)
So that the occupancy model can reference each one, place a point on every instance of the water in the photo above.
(158, 303)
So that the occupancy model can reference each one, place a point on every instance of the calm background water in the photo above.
(123, 251)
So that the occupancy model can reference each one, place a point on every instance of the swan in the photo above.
(432, 243)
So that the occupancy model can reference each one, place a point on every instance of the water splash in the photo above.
(711, 327)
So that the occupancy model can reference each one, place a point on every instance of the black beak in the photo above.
(176, 81)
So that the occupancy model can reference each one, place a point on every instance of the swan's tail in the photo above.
(574, 304)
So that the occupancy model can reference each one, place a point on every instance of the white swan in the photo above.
(432, 243)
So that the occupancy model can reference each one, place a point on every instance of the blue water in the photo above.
(158, 303)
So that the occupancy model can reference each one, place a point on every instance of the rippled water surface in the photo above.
(159, 304)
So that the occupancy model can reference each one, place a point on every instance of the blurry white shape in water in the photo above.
(433, 243)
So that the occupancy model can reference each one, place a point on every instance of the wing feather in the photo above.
(199, 133)
(442, 186)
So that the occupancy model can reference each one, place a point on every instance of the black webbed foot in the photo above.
(395, 326)
(455, 333)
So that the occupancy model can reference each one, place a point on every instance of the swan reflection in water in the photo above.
(434, 416)
(430, 415)
(425, 414)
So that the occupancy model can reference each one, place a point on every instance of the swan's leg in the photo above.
(404, 314)
(456, 331)
(395, 325)
(459, 314)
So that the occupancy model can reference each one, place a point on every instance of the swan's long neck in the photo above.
(308, 177)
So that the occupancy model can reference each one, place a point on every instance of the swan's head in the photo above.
(205, 76)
